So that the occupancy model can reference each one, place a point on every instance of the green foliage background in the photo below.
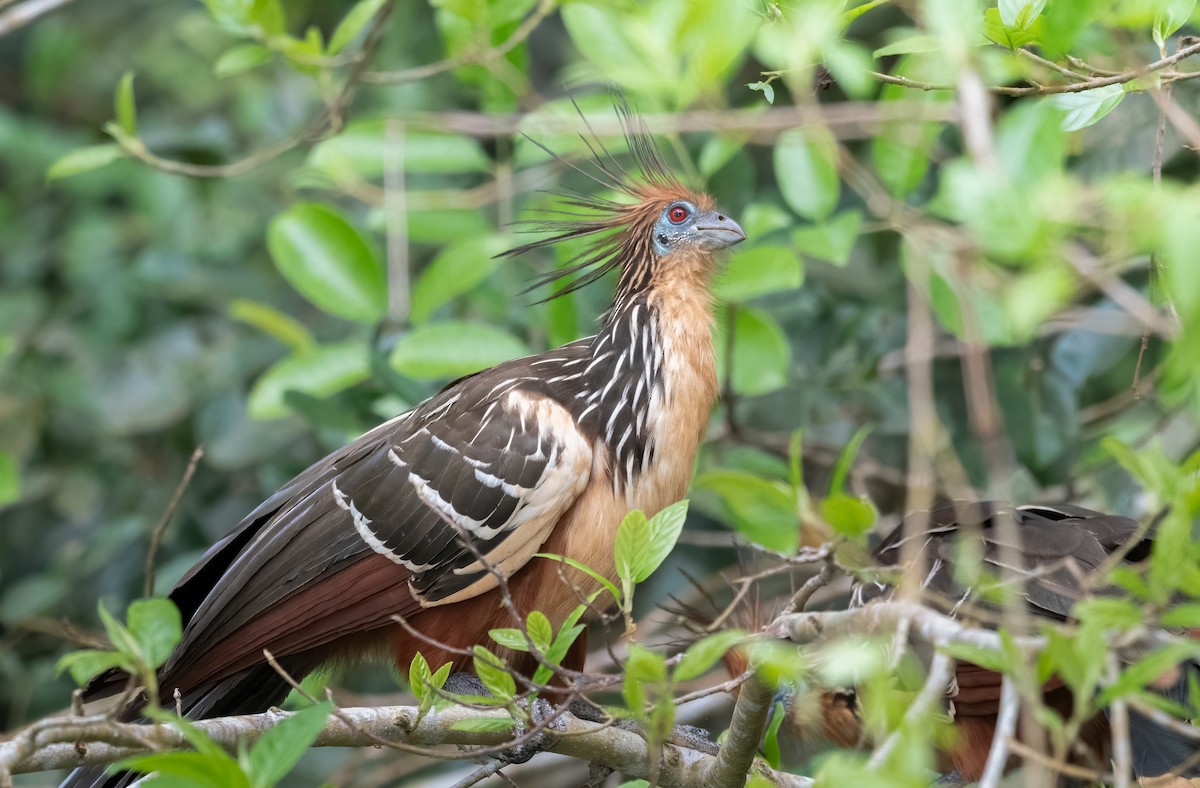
(143, 313)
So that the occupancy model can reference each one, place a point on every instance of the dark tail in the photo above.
(1159, 751)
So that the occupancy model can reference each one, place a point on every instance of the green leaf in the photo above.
(418, 677)
(190, 769)
(483, 725)
(1169, 16)
(117, 633)
(831, 240)
(633, 542)
(761, 356)
(124, 106)
(86, 664)
(455, 270)
(281, 746)
(83, 160)
(321, 372)
(156, 626)
(1009, 36)
(328, 261)
(540, 631)
(717, 152)
(759, 271)
(1084, 108)
(494, 675)
(352, 24)
(762, 511)
(271, 321)
(1109, 613)
(1030, 142)
(806, 170)
(1187, 615)
(561, 645)
(770, 745)
(768, 90)
(845, 460)
(1020, 13)
(364, 148)
(510, 638)
(643, 669)
(10, 479)
(909, 45)
(451, 349)
(1148, 669)
(438, 680)
(663, 531)
(983, 657)
(587, 570)
(240, 59)
(846, 515)
(704, 653)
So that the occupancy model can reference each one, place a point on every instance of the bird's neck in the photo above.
(652, 377)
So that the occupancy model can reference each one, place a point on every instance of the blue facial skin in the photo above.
(710, 231)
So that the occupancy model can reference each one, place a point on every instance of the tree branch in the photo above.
(68, 742)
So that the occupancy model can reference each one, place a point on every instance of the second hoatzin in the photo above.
(1060, 548)
(419, 516)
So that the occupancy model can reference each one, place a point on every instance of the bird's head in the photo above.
(658, 226)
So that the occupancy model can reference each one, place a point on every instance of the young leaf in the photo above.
(86, 664)
(587, 570)
(494, 674)
(156, 626)
(418, 677)
(705, 653)
(328, 261)
(191, 769)
(633, 542)
(319, 372)
(10, 478)
(124, 106)
(1084, 108)
(352, 23)
(271, 321)
(281, 746)
(837, 481)
(846, 515)
(510, 638)
(117, 633)
(770, 745)
(643, 669)
(541, 633)
(82, 160)
(240, 59)
(663, 530)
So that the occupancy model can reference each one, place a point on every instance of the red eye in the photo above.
(677, 214)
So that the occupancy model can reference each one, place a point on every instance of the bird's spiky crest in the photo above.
(624, 229)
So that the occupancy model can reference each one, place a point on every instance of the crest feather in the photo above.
(623, 229)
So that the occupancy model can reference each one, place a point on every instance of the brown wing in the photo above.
(382, 526)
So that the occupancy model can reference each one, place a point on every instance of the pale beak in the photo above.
(718, 231)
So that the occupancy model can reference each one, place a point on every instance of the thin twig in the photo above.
(480, 774)
(160, 527)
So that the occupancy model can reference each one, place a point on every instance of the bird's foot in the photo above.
(689, 736)
(952, 780)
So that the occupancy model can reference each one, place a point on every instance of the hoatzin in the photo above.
(422, 515)
(1061, 548)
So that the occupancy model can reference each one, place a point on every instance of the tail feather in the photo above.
(1157, 750)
